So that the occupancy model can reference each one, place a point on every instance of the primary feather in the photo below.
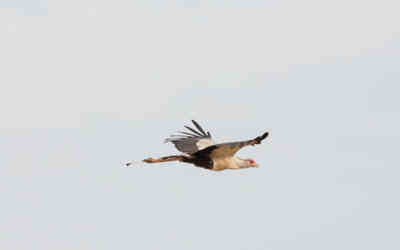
(190, 143)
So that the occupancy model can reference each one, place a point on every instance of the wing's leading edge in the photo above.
(229, 149)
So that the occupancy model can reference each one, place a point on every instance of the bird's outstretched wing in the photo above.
(229, 149)
(191, 141)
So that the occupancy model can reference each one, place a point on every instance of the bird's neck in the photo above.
(241, 163)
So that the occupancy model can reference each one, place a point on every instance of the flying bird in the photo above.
(199, 149)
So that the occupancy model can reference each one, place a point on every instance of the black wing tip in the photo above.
(197, 125)
(194, 131)
(259, 139)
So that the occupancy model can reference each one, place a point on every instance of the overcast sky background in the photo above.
(89, 85)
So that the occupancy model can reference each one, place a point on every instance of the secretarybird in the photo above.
(200, 150)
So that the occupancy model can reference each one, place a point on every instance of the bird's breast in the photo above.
(224, 163)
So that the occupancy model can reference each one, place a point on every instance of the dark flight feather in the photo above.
(229, 148)
(194, 131)
(199, 127)
(191, 142)
(187, 134)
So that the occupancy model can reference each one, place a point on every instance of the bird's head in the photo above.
(252, 163)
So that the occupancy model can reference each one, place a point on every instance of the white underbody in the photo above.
(222, 163)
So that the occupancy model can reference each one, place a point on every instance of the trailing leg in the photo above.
(166, 158)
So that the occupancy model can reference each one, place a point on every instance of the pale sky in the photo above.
(89, 85)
